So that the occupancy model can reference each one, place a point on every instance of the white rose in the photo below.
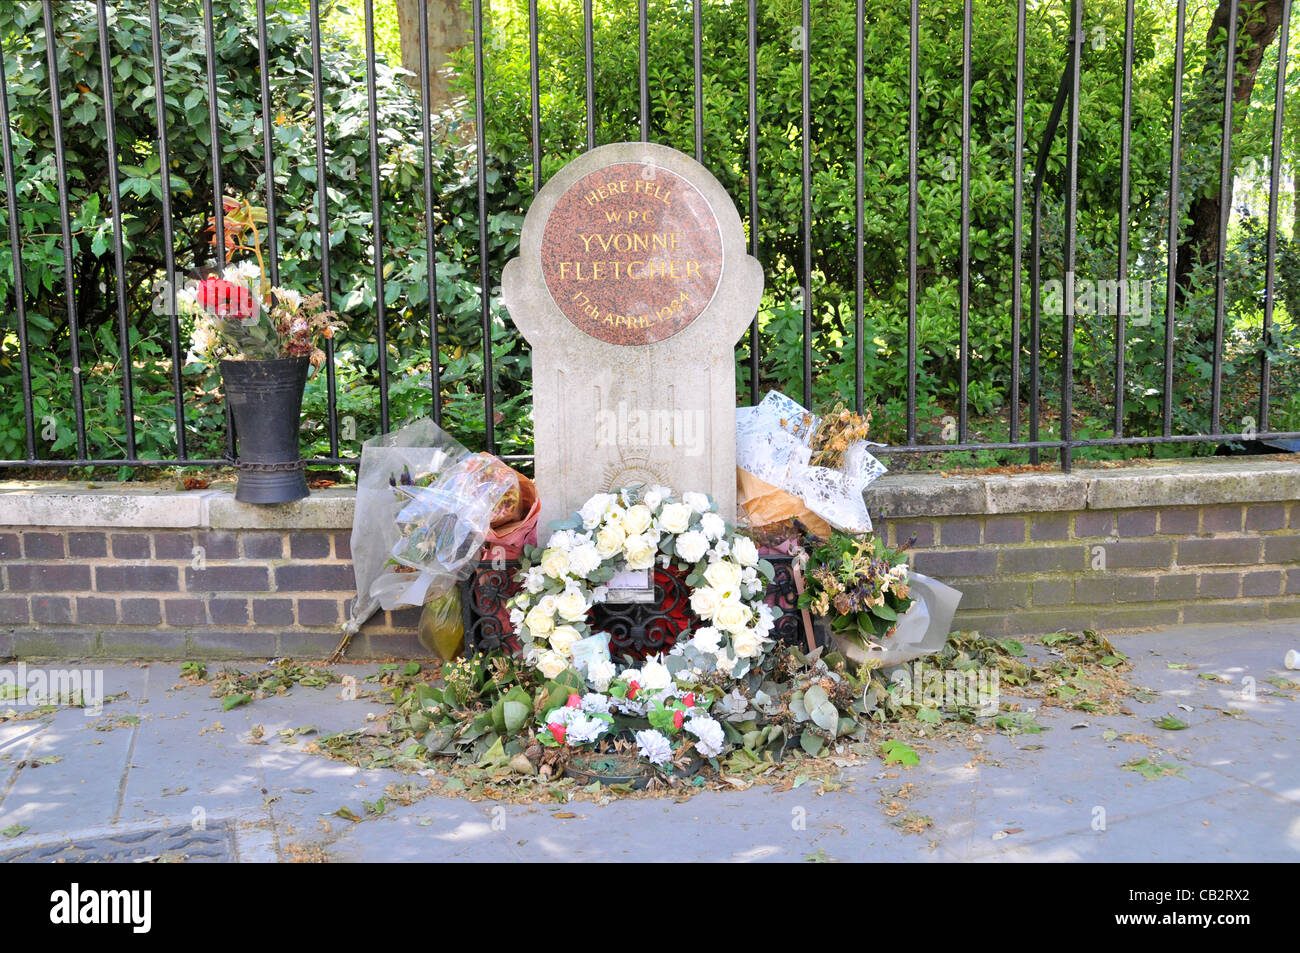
(706, 639)
(697, 501)
(675, 518)
(692, 546)
(539, 621)
(555, 563)
(733, 616)
(550, 664)
(713, 525)
(609, 541)
(723, 574)
(637, 519)
(655, 495)
(571, 605)
(640, 552)
(594, 509)
(562, 639)
(547, 602)
(705, 602)
(746, 643)
(744, 551)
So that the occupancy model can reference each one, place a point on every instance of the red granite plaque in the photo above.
(632, 253)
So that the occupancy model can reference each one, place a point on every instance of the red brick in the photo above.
(1051, 592)
(1071, 558)
(228, 579)
(14, 609)
(1219, 585)
(141, 612)
(1094, 590)
(1170, 587)
(52, 577)
(959, 532)
(185, 611)
(318, 612)
(228, 611)
(263, 546)
(273, 611)
(1282, 549)
(956, 563)
(1180, 521)
(96, 611)
(1094, 523)
(317, 578)
(1049, 526)
(136, 579)
(905, 530)
(1268, 583)
(309, 546)
(1004, 529)
(1136, 522)
(1218, 552)
(1266, 516)
(131, 546)
(43, 545)
(343, 545)
(218, 545)
(1221, 519)
(51, 609)
(88, 545)
(173, 546)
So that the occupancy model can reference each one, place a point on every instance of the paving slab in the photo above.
(162, 762)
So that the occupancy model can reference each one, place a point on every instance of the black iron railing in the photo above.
(92, 387)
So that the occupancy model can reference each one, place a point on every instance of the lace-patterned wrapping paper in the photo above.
(772, 444)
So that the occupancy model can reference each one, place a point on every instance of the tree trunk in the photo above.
(450, 27)
(1257, 25)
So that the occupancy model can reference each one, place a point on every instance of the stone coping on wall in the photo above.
(893, 496)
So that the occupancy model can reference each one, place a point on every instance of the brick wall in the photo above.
(172, 593)
(134, 571)
(1113, 569)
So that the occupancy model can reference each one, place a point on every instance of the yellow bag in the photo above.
(442, 627)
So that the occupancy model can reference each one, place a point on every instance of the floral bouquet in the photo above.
(240, 315)
(636, 528)
(859, 584)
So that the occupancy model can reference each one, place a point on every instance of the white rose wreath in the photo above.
(635, 528)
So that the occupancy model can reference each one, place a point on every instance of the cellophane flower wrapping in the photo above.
(419, 450)
(772, 444)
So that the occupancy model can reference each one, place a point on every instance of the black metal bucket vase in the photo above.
(263, 412)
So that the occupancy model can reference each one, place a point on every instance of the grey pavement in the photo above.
(162, 771)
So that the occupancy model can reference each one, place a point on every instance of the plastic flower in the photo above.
(653, 746)
(600, 673)
(712, 742)
(692, 546)
(697, 501)
(655, 675)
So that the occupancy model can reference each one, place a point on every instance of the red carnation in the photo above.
(557, 732)
(632, 688)
(226, 298)
(689, 699)
(678, 717)
(575, 701)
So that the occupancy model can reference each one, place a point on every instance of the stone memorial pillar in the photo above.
(632, 286)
